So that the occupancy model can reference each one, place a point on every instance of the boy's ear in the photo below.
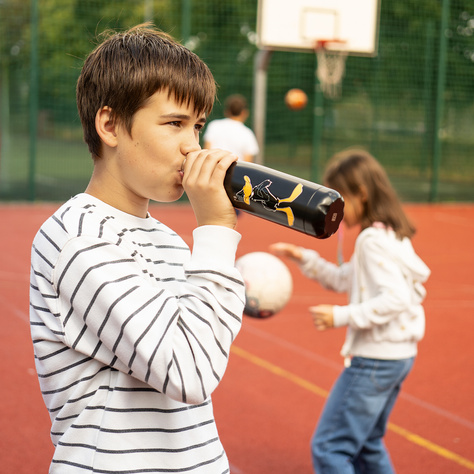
(105, 126)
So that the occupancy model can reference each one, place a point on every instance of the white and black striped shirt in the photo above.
(131, 335)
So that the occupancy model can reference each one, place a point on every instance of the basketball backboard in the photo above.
(296, 25)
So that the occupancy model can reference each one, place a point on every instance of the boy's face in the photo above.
(148, 163)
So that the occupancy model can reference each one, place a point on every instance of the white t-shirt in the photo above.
(233, 136)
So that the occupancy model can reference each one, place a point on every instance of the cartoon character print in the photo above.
(261, 193)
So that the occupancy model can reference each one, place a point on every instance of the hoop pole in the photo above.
(261, 63)
(318, 112)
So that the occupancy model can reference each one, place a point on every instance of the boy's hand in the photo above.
(283, 249)
(203, 181)
(323, 316)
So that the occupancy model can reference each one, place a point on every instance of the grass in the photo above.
(62, 169)
(407, 159)
(63, 166)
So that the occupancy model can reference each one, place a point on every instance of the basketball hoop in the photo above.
(331, 66)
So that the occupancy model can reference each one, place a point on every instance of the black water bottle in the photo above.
(284, 199)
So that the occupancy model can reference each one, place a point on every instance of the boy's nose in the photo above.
(190, 144)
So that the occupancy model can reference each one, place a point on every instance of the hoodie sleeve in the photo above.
(329, 275)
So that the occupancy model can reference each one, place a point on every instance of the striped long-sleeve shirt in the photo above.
(131, 335)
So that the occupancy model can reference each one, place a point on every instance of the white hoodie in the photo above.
(383, 279)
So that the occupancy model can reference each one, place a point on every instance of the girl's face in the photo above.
(353, 209)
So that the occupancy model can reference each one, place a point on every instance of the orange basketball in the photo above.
(296, 99)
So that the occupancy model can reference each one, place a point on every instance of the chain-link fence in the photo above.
(412, 105)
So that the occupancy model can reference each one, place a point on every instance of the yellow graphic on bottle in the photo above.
(247, 190)
(261, 193)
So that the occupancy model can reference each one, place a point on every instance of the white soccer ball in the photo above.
(268, 284)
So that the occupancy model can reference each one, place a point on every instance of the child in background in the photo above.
(385, 317)
(231, 133)
(132, 331)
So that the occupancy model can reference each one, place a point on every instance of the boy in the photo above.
(131, 332)
(231, 133)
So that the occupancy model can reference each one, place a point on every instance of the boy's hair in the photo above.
(234, 105)
(128, 68)
(354, 171)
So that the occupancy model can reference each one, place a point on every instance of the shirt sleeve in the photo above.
(177, 341)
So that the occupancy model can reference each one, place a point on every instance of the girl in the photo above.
(384, 316)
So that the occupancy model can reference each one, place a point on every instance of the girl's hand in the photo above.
(282, 249)
(323, 316)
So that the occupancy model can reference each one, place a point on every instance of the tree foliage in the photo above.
(222, 32)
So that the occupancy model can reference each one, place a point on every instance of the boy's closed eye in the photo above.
(179, 123)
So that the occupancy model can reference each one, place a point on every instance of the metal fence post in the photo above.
(4, 126)
(186, 21)
(33, 101)
(439, 105)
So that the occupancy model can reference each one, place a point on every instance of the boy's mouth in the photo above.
(181, 170)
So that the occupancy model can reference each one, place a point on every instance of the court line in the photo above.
(13, 276)
(338, 366)
(282, 342)
(6, 304)
(408, 435)
(439, 411)
(234, 469)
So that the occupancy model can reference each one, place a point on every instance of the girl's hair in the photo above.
(128, 68)
(356, 172)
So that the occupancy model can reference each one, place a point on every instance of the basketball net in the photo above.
(331, 66)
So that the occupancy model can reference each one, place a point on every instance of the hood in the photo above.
(411, 262)
(400, 250)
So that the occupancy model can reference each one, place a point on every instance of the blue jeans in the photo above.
(349, 435)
